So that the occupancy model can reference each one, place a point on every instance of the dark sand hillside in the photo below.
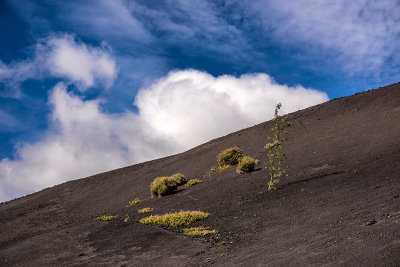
(340, 205)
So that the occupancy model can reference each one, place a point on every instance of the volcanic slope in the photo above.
(340, 204)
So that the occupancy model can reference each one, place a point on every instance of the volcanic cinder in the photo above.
(339, 206)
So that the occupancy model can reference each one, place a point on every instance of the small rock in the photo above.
(371, 222)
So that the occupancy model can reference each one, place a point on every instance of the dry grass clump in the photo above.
(175, 219)
(134, 202)
(165, 185)
(221, 168)
(246, 164)
(198, 231)
(230, 156)
(105, 218)
(145, 210)
(193, 182)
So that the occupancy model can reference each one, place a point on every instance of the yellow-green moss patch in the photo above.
(175, 219)
(198, 231)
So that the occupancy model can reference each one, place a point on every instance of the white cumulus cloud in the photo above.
(83, 141)
(64, 57)
(181, 110)
(78, 62)
(191, 106)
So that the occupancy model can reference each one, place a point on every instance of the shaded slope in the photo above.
(339, 205)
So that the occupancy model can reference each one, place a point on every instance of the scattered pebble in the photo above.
(371, 222)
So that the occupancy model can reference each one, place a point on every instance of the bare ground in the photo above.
(340, 205)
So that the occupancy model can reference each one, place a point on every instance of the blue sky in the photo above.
(88, 86)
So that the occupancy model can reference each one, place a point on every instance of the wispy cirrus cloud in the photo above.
(154, 29)
(106, 20)
(359, 37)
(362, 36)
(8, 123)
(61, 56)
(195, 23)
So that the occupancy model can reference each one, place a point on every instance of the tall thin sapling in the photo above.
(275, 155)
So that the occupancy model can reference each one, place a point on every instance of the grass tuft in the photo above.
(198, 231)
(134, 202)
(105, 218)
(193, 182)
(175, 219)
(221, 168)
(145, 210)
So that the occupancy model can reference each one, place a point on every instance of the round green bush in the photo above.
(246, 164)
(165, 185)
(179, 178)
(230, 156)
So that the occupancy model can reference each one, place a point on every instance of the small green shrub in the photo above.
(165, 185)
(105, 218)
(246, 164)
(193, 182)
(198, 231)
(180, 178)
(134, 202)
(162, 186)
(145, 210)
(230, 156)
(175, 219)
